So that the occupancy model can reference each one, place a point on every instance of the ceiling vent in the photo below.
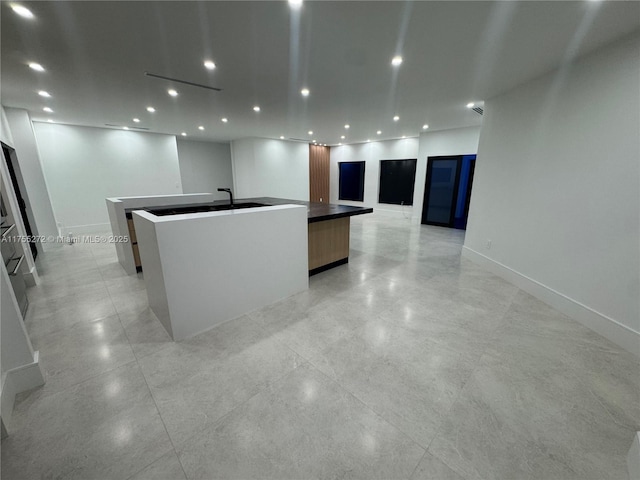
(478, 110)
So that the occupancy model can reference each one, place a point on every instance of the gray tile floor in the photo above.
(409, 362)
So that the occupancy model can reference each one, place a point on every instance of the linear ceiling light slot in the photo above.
(185, 82)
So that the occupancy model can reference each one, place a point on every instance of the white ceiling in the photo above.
(96, 53)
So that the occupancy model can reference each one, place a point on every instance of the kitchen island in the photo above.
(328, 225)
(328, 230)
(207, 267)
(119, 210)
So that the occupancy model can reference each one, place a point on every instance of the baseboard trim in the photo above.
(18, 380)
(328, 266)
(609, 328)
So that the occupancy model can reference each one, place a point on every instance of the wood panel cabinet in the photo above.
(328, 243)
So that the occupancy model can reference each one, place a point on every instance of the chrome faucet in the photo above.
(228, 190)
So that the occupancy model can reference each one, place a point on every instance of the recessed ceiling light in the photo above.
(295, 3)
(22, 11)
(136, 120)
(310, 132)
(396, 118)
(172, 92)
(368, 139)
(471, 105)
(347, 126)
(378, 132)
(224, 120)
(281, 137)
(339, 143)
(404, 136)
(42, 93)
(305, 92)
(256, 109)
(342, 137)
(47, 109)
(396, 61)
(50, 121)
(36, 66)
(209, 65)
(151, 109)
(425, 126)
(184, 134)
(201, 127)
(313, 141)
(125, 128)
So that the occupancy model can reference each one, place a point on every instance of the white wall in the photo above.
(457, 141)
(84, 165)
(371, 153)
(30, 169)
(557, 190)
(5, 130)
(270, 168)
(205, 166)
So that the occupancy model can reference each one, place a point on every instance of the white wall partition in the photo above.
(84, 165)
(30, 171)
(205, 166)
(555, 205)
(270, 168)
(371, 153)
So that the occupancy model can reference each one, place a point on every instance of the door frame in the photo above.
(467, 201)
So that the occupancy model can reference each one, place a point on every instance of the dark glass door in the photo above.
(448, 191)
(441, 190)
(10, 157)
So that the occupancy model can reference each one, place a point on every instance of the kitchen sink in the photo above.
(204, 208)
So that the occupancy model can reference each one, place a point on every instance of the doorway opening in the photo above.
(447, 191)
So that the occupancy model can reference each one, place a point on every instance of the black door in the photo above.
(10, 157)
(447, 191)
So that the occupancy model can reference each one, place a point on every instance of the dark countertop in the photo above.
(317, 212)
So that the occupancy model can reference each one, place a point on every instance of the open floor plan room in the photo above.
(408, 362)
(320, 240)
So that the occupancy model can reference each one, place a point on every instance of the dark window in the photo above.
(397, 178)
(351, 181)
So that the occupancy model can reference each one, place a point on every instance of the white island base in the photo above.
(203, 269)
(117, 208)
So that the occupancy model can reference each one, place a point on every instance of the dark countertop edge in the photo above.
(317, 212)
(322, 218)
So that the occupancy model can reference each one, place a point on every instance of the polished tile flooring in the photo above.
(410, 362)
